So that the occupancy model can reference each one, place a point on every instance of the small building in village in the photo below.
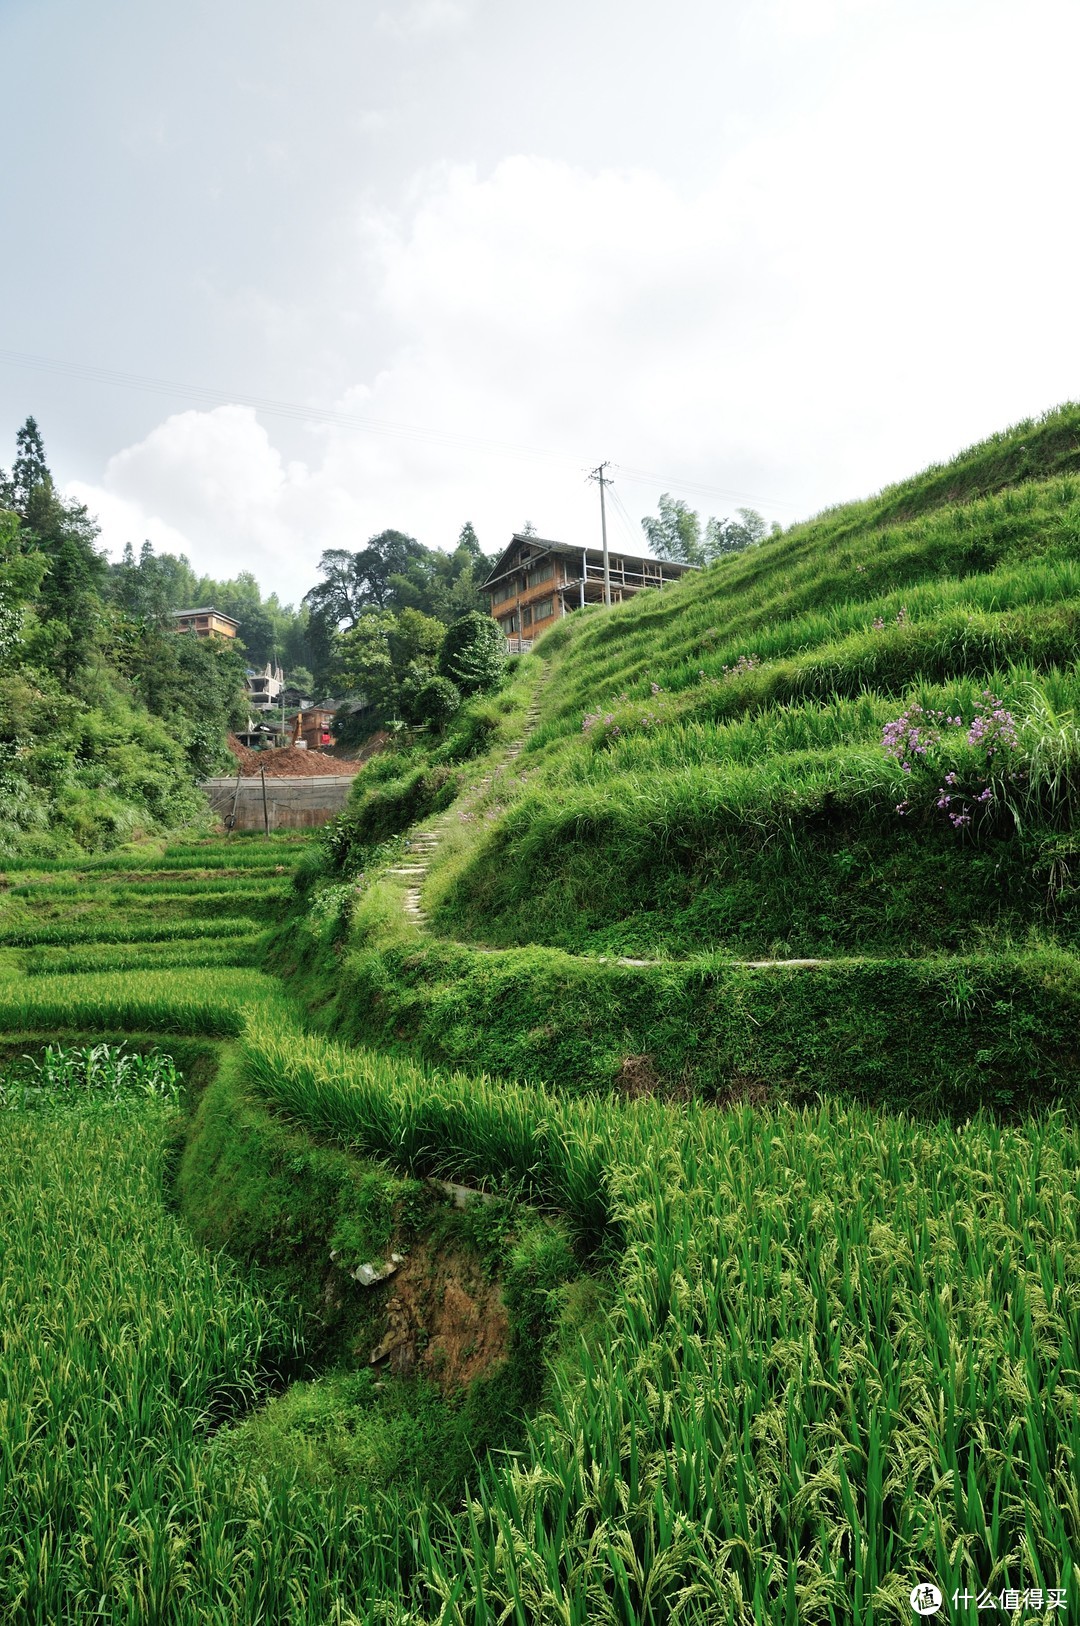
(264, 732)
(313, 727)
(265, 687)
(206, 623)
(535, 582)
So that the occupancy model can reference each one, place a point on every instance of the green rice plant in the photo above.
(214, 854)
(844, 1352)
(100, 1074)
(243, 949)
(199, 1001)
(111, 929)
(157, 886)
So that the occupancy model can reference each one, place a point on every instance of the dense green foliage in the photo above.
(378, 620)
(150, 587)
(787, 1252)
(107, 717)
(473, 653)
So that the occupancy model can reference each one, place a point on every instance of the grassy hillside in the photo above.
(712, 770)
(804, 822)
(607, 963)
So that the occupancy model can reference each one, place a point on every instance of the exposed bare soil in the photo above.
(289, 763)
(444, 1317)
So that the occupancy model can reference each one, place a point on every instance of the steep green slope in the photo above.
(713, 770)
(804, 823)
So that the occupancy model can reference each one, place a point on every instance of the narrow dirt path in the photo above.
(423, 844)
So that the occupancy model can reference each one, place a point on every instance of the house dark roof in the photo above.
(542, 544)
(205, 609)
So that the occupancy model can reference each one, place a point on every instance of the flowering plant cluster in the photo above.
(744, 664)
(901, 619)
(605, 724)
(604, 720)
(917, 732)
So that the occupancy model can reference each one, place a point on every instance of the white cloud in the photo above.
(853, 294)
(423, 19)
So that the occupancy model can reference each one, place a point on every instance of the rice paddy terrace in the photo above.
(689, 1036)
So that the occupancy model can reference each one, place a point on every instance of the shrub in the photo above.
(473, 654)
(436, 702)
(386, 810)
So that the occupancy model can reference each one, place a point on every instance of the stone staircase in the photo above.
(423, 844)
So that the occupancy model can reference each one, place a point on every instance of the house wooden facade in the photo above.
(206, 622)
(535, 582)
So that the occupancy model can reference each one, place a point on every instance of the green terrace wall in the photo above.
(952, 1034)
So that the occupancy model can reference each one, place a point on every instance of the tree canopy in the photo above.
(107, 714)
(153, 585)
(392, 575)
(676, 532)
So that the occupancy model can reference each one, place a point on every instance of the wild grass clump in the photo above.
(378, 813)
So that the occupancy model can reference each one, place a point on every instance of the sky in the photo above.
(276, 278)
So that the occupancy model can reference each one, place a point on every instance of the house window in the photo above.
(542, 573)
(542, 609)
(526, 616)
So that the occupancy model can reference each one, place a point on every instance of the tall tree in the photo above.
(732, 535)
(354, 583)
(676, 533)
(68, 601)
(29, 471)
(20, 577)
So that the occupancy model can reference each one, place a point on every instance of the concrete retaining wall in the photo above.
(291, 804)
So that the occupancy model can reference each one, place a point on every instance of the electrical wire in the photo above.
(639, 477)
(293, 410)
(637, 542)
(297, 412)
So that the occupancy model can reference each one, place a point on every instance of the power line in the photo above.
(639, 477)
(298, 412)
(209, 395)
(624, 519)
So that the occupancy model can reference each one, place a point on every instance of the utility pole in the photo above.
(598, 474)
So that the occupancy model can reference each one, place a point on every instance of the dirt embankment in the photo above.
(289, 763)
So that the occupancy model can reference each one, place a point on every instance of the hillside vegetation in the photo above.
(711, 773)
(108, 715)
(854, 745)
(749, 1054)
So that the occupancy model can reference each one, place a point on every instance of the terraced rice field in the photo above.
(838, 1350)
